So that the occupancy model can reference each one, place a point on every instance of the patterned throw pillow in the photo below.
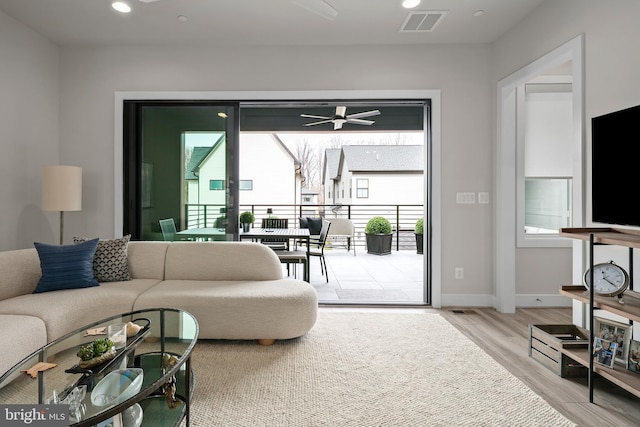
(66, 266)
(110, 263)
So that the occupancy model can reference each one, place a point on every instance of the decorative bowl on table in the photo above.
(117, 386)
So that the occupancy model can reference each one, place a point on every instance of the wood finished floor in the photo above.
(505, 337)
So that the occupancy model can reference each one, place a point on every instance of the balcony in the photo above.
(361, 279)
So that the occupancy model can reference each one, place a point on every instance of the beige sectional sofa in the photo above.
(236, 290)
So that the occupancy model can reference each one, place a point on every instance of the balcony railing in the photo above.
(402, 217)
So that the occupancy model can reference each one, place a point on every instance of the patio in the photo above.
(369, 279)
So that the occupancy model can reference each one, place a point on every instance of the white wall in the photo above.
(267, 163)
(466, 75)
(612, 67)
(389, 189)
(90, 76)
(29, 88)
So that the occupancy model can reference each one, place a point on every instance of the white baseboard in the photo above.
(466, 300)
(528, 301)
(543, 300)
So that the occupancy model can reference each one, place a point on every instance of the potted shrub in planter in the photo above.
(246, 219)
(419, 231)
(379, 237)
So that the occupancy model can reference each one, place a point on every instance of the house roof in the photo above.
(384, 158)
(197, 157)
(332, 162)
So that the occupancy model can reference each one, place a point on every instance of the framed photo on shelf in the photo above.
(617, 332)
(604, 351)
(633, 362)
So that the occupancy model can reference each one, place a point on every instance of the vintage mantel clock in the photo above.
(609, 280)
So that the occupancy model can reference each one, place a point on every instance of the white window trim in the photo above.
(537, 240)
(505, 218)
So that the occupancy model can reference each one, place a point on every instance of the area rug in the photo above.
(362, 369)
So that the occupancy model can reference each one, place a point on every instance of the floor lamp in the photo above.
(62, 191)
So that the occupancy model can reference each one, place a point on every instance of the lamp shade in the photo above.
(62, 188)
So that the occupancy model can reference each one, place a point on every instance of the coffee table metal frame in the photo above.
(151, 389)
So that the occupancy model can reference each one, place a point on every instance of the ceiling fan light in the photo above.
(121, 6)
(410, 4)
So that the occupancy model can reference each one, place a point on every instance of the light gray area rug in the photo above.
(362, 369)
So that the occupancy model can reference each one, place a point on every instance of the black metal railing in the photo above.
(402, 217)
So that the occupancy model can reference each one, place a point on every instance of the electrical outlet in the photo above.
(459, 273)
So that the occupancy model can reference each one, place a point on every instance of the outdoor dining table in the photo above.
(303, 234)
(206, 233)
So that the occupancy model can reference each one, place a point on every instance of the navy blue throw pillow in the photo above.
(304, 223)
(66, 267)
(315, 225)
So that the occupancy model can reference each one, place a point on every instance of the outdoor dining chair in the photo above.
(316, 247)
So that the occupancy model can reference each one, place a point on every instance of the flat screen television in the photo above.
(615, 167)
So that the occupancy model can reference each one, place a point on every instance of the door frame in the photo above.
(432, 264)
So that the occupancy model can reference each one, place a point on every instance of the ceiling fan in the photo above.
(341, 117)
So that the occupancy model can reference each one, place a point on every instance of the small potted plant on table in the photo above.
(379, 237)
(246, 219)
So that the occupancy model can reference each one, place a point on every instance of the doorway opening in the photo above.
(237, 188)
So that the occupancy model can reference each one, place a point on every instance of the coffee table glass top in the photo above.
(162, 349)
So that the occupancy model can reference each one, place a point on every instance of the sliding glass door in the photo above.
(180, 160)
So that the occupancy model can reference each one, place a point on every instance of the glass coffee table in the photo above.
(160, 351)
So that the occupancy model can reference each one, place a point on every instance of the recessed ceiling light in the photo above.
(410, 4)
(478, 12)
(183, 18)
(121, 6)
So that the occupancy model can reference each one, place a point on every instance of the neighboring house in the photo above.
(309, 201)
(374, 175)
(264, 180)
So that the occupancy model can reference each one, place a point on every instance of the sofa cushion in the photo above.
(146, 259)
(66, 266)
(70, 309)
(224, 261)
(19, 272)
(240, 309)
(110, 262)
(315, 225)
(25, 334)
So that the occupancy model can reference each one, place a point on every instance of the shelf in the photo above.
(605, 236)
(618, 375)
(630, 309)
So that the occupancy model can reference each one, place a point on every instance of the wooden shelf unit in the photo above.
(618, 375)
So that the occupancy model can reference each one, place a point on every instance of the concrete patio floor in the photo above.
(396, 278)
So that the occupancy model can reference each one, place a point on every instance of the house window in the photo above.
(362, 188)
(545, 161)
(216, 184)
(547, 205)
(246, 184)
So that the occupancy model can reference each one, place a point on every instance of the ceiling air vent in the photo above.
(422, 21)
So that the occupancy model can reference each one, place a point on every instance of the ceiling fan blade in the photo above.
(318, 123)
(341, 111)
(311, 116)
(364, 114)
(360, 121)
